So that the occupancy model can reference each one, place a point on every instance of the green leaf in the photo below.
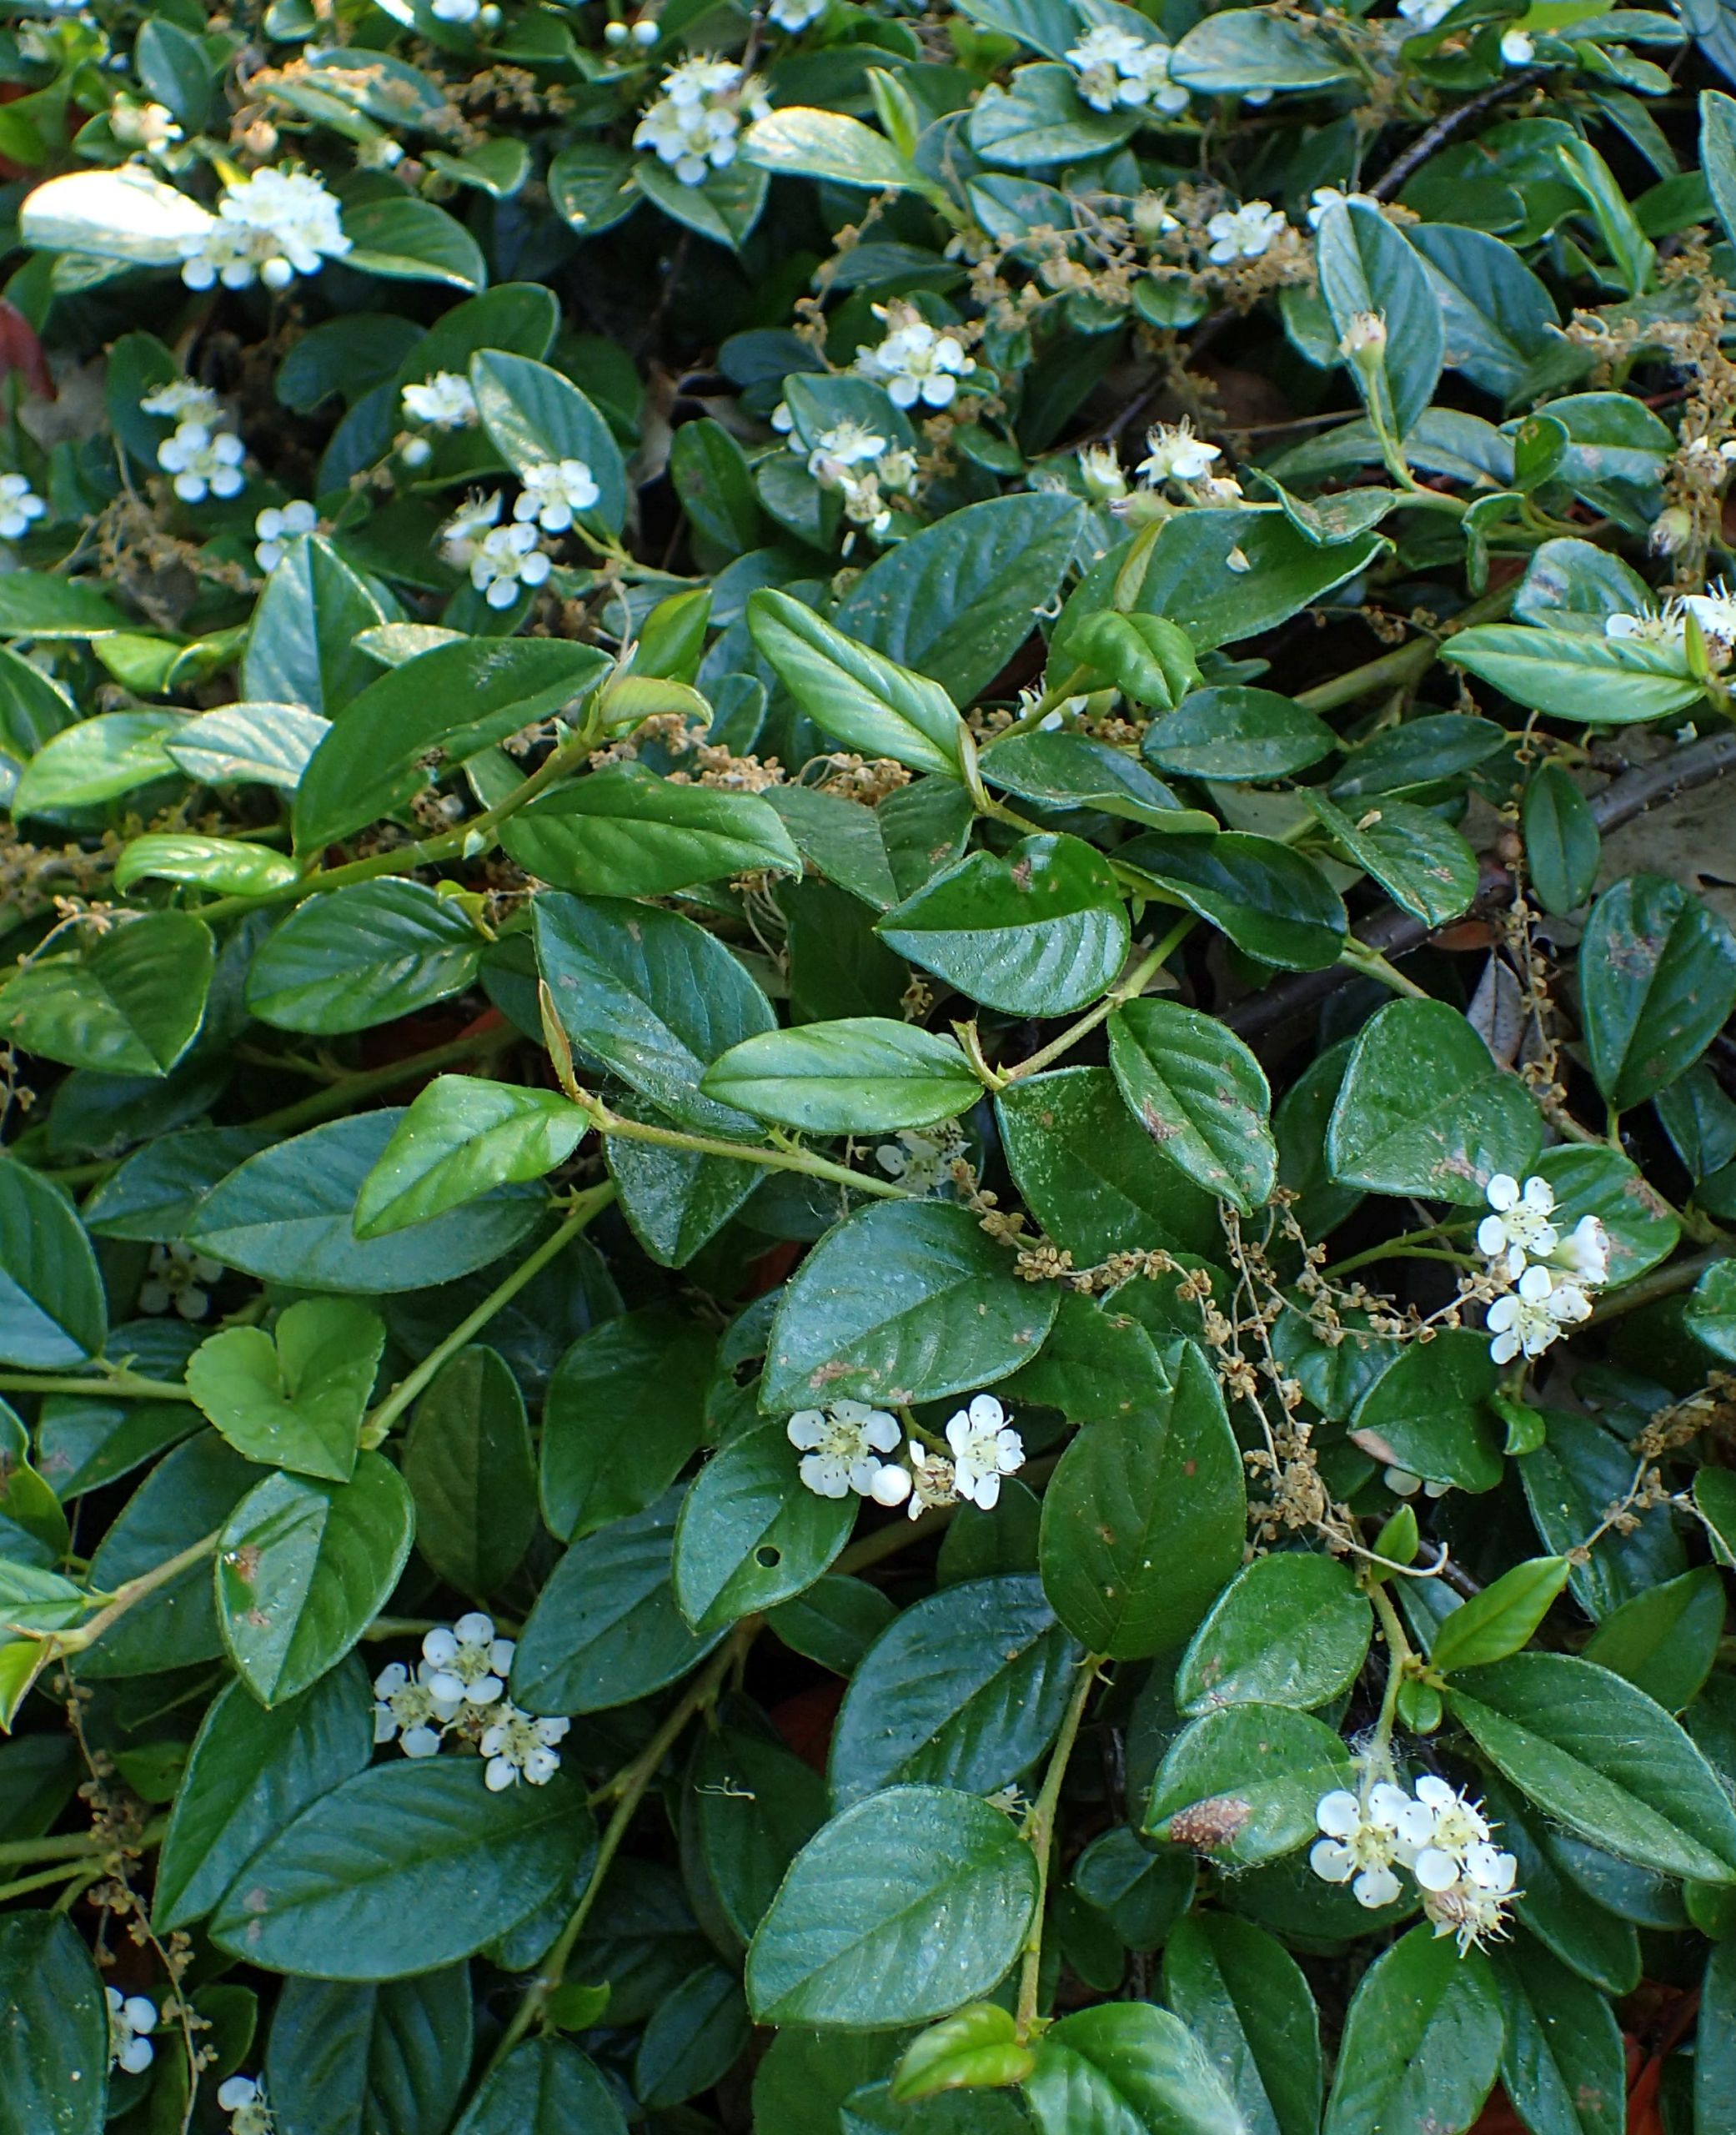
(651, 996)
(756, 1806)
(1562, 846)
(1656, 981)
(546, 2087)
(459, 1139)
(1038, 931)
(1092, 1177)
(456, 699)
(534, 416)
(623, 832)
(592, 187)
(1366, 266)
(1500, 1619)
(1200, 1094)
(966, 1688)
(97, 759)
(1236, 735)
(858, 696)
(1422, 864)
(1431, 1411)
(1424, 1109)
(864, 1075)
(1292, 1630)
(695, 2036)
(1565, 1918)
(302, 1568)
(1242, 51)
(129, 1003)
(900, 1909)
(294, 1398)
(244, 744)
(1603, 1758)
(1040, 119)
(1422, 2043)
(1665, 1642)
(625, 1412)
(906, 1301)
(285, 1216)
(301, 649)
(1714, 2060)
(1711, 1313)
(724, 207)
(1718, 154)
(955, 601)
(1499, 319)
(53, 1312)
(1142, 1891)
(250, 1772)
(1563, 2064)
(393, 2056)
(1589, 680)
(1096, 1363)
(1125, 2067)
(1240, 1785)
(751, 1534)
(223, 864)
(467, 1461)
(1246, 2001)
(1271, 901)
(1145, 1517)
(54, 2046)
(408, 1866)
(605, 1629)
(403, 239)
(1068, 771)
(1591, 1180)
(977, 2049)
(799, 143)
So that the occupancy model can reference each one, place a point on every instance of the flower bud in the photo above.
(1365, 339)
(1671, 531)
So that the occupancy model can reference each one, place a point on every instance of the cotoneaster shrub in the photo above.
(864, 1254)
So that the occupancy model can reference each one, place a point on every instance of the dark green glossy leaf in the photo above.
(54, 2044)
(1292, 1630)
(1422, 2041)
(624, 833)
(471, 1474)
(1245, 1999)
(129, 1002)
(345, 2059)
(1240, 1785)
(1430, 1408)
(1657, 980)
(52, 1312)
(1235, 735)
(1127, 2066)
(751, 1534)
(625, 1412)
(864, 1075)
(546, 2087)
(1271, 901)
(1200, 1094)
(363, 955)
(460, 1139)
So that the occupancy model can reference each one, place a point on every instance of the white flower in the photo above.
(467, 1664)
(455, 11)
(840, 1444)
(1326, 198)
(1364, 1839)
(463, 533)
(794, 16)
(407, 1711)
(444, 402)
(189, 405)
(520, 1746)
(1426, 13)
(203, 463)
(131, 2017)
(1100, 469)
(1715, 612)
(1516, 48)
(1473, 1906)
(1524, 1323)
(243, 2097)
(174, 1277)
(19, 504)
(554, 492)
(1174, 454)
(1664, 626)
(1458, 1823)
(891, 1485)
(505, 560)
(149, 126)
(271, 226)
(1585, 1253)
(694, 124)
(933, 1480)
(1145, 80)
(1244, 233)
(277, 526)
(916, 362)
(1098, 60)
(846, 446)
(984, 1448)
(922, 1161)
(1518, 1229)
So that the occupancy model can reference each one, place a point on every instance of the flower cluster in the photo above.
(554, 492)
(1117, 69)
(269, 227)
(1714, 610)
(694, 125)
(1441, 1839)
(841, 1446)
(1244, 233)
(916, 363)
(856, 461)
(130, 2021)
(19, 505)
(459, 1689)
(243, 2097)
(501, 560)
(204, 460)
(845, 1447)
(277, 526)
(921, 1161)
(1555, 1275)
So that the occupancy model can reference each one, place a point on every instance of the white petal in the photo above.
(1338, 1813)
(1376, 1887)
(1435, 1792)
(1387, 1804)
(1491, 1237)
(1435, 1871)
(882, 1431)
(136, 2056)
(1331, 1862)
(140, 2014)
(1502, 1191)
(806, 1429)
(501, 1774)
(439, 1646)
(474, 1629)
(987, 1413)
(420, 1742)
(891, 1485)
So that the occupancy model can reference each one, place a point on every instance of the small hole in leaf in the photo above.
(767, 1558)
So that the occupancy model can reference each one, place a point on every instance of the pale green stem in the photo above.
(1399, 1655)
(1040, 1831)
(1131, 987)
